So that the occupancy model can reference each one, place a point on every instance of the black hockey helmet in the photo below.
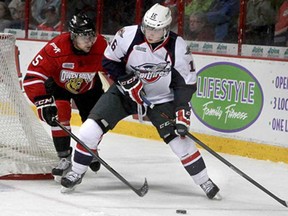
(81, 25)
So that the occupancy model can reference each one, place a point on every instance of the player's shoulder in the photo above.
(131, 28)
(176, 44)
(101, 39)
(127, 35)
(59, 46)
(175, 38)
(127, 31)
(100, 44)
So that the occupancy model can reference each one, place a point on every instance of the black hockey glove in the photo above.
(46, 109)
(182, 121)
(131, 84)
(50, 86)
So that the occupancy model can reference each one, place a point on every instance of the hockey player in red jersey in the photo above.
(67, 68)
(152, 60)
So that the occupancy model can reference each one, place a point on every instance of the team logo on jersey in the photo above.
(150, 72)
(74, 85)
(121, 32)
(55, 48)
(73, 80)
(188, 50)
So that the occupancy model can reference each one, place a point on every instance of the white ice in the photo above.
(170, 187)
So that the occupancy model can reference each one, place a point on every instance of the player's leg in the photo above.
(184, 148)
(85, 102)
(194, 164)
(107, 112)
(61, 140)
(90, 133)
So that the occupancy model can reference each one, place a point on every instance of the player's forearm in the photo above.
(114, 69)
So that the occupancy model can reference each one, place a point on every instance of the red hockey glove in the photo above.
(182, 121)
(46, 109)
(133, 86)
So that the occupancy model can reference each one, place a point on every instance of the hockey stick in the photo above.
(203, 145)
(140, 192)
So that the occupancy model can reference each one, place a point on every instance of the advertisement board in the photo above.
(242, 98)
(238, 98)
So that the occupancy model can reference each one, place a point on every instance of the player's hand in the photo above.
(46, 109)
(133, 86)
(182, 121)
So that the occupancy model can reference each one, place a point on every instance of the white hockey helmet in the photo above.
(158, 17)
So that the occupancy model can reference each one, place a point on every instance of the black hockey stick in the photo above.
(140, 192)
(203, 145)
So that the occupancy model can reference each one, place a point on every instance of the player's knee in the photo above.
(64, 110)
(103, 124)
(169, 138)
(182, 147)
(90, 133)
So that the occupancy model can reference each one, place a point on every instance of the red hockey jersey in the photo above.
(74, 72)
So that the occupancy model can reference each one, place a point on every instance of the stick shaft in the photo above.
(234, 168)
(140, 192)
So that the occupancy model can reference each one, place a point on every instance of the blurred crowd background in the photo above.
(257, 22)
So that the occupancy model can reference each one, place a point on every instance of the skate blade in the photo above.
(57, 179)
(217, 197)
(65, 190)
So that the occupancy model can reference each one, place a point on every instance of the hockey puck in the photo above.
(181, 211)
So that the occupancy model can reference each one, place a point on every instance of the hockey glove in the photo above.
(132, 86)
(46, 109)
(50, 86)
(182, 121)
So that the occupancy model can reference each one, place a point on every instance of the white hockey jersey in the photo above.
(167, 71)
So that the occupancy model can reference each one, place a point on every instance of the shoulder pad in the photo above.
(59, 46)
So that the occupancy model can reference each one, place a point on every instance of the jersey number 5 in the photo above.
(35, 62)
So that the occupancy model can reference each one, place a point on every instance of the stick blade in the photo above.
(144, 189)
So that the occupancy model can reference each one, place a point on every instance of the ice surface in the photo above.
(170, 187)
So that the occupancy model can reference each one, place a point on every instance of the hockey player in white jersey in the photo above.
(146, 59)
